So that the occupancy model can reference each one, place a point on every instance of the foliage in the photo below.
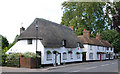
(48, 52)
(114, 10)
(13, 59)
(13, 55)
(5, 42)
(4, 60)
(69, 51)
(77, 52)
(88, 15)
(54, 52)
(113, 37)
(30, 55)
(83, 52)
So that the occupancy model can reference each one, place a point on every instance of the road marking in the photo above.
(92, 67)
(76, 71)
(105, 65)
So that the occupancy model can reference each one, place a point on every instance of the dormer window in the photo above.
(78, 44)
(64, 43)
(29, 41)
(90, 47)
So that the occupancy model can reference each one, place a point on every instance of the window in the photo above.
(64, 43)
(90, 47)
(78, 44)
(91, 56)
(111, 49)
(64, 56)
(107, 55)
(49, 56)
(29, 41)
(97, 56)
(98, 47)
(71, 56)
(78, 56)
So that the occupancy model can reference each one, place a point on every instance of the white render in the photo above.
(96, 49)
(22, 46)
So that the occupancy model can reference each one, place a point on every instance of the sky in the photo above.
(17, 13)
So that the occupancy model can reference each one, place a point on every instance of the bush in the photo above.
(4, 60)
(54, 52)
(13, 59)
(30, 55)
(69, 51)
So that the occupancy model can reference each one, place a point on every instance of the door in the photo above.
(58, 58)
(39, 59)
(84, 56)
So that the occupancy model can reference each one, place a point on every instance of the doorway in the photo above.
(84, 56)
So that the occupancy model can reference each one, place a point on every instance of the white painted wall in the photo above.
(62, 50)
(22, 46)
(94, 50)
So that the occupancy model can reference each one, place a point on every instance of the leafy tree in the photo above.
(88, 15)
(5, 42)
(113, 9)
(113, 37)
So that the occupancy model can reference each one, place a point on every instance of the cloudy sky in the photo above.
(15, 12)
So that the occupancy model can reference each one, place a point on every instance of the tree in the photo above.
(88, 15)
(113, 8)
(113, 37)
(5, 42)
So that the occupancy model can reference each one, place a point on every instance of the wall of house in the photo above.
(96, 49)
(22, 46)
(62, 50)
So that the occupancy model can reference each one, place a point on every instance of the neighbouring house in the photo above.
(95, 48)
(56, 43)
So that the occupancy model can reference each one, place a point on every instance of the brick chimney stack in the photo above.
(98, 36)
(72, 27)
(86, 33)
(22, 29)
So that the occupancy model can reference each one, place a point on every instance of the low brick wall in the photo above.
(27, 62)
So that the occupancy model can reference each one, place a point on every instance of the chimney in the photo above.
(86, 33)
(98, 36)
(22, 29)
(72, 27)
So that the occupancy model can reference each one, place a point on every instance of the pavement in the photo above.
(99, 66)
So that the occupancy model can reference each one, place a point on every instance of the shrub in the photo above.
(48, 52)
(69, 51)
(54, 52)
(30, 55)
(77, 52)
(13, 59)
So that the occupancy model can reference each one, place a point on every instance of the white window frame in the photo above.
(49, 56)
(29, 41)
(71, 55)
(90, 55)
(78, 56)
(90, 47)
(64, 56)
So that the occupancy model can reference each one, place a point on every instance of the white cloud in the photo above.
(15, 12)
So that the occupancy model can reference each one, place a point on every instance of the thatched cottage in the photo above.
(52, 38)
(95, 48)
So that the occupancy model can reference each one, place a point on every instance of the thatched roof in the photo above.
(94, 41)
(51, 34)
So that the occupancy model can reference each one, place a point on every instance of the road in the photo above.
(99, 66)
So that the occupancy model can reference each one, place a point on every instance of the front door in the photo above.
(84, 56)
(58, 58)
